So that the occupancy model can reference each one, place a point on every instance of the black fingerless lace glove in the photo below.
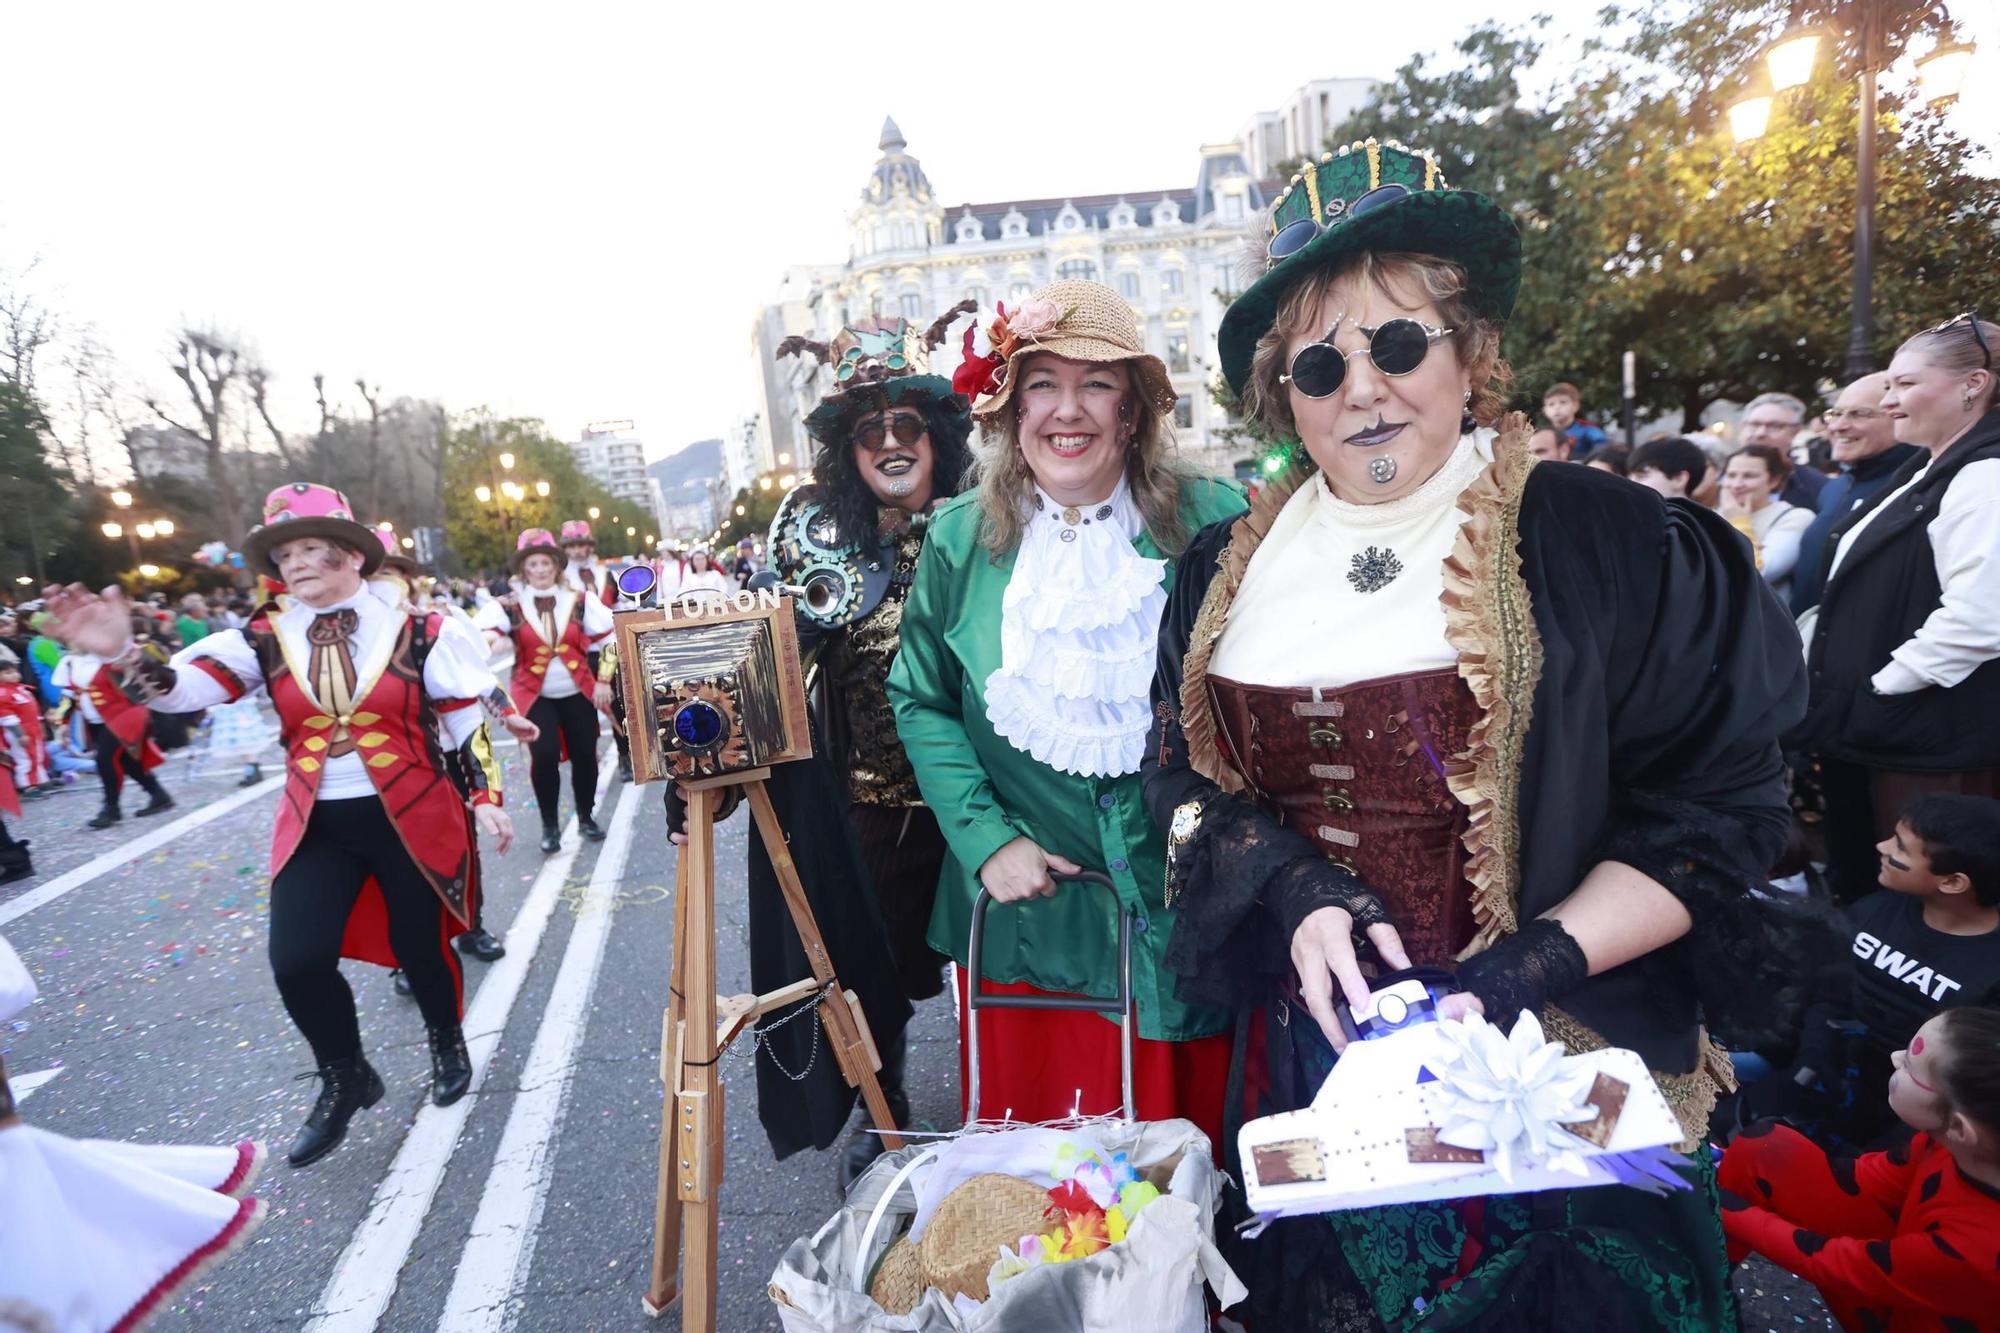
(677, 807)
(1538, 963)
(1308, 884)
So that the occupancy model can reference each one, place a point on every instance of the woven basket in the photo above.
(899, 1278)
(972, 1225)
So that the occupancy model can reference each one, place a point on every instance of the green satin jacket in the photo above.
(985, 792)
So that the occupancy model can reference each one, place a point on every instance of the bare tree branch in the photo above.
(258, 378)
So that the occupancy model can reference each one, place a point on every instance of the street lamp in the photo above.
(112, 530)
(1941, 74)
(164, 526)
(122, 498)
(542, 489)
(150, 571)
(739, 511)
(507, 460)
(484, 494)
(593, 511)
(146, 531)
(1871, 25)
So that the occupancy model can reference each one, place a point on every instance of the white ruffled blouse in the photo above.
(1079, 632)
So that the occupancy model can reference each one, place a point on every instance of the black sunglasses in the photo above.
(907, 429)
(1396, 347)
(1293, 236)
(1985, 352)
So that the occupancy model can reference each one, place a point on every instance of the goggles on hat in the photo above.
(907, 427)
(1292, 237)
(1396, 347)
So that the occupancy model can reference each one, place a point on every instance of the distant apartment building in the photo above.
(613, 456)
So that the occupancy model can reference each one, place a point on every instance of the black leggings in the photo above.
(114, 761)
(573, 719)
(345, 842)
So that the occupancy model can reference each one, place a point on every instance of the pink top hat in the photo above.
(392, 553)
(308, 509)
(537, 541)
(576, 530)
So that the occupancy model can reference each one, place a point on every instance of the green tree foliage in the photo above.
(482, 533)
(35, 492)
(1726, 269)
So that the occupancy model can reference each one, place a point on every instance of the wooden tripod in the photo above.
(699, 1027)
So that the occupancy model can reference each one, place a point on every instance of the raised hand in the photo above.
(87, 622)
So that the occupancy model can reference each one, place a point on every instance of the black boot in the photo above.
(106, 817)
(864, 1146)
(400, 980)
(14, 862)
(551, 838)
(624, 746)
(158, 805)
(588, 827)
(451, 1065)
(346, 1086)
(481, 945)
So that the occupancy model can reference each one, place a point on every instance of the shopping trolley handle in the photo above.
(1107, 1004)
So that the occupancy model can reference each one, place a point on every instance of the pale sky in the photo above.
(572, 211)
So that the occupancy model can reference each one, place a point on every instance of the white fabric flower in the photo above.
(1511, 1096)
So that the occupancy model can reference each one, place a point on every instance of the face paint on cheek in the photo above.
(332, 560)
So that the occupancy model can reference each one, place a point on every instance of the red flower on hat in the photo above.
(978, 375)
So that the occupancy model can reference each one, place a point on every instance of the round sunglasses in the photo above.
(907, 429)
(1395, 347)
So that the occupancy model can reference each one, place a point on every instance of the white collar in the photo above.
(1439, 492)
(362, 602)
(1116, 512)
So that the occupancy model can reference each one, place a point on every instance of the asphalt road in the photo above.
(529, 1206)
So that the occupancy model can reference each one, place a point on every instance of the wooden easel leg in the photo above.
(843, 1033)
(665, 1285)
(698, 1117)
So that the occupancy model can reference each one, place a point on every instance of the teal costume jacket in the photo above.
(986, 793)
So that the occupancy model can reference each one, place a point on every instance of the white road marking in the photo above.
(24, 1085)
(502, 1245)
(364, 1280)
(124, 853)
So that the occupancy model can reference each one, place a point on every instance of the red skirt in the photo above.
(1039, 1065)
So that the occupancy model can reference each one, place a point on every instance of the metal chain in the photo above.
(761, 1036)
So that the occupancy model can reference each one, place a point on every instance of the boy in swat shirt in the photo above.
(1929, 939)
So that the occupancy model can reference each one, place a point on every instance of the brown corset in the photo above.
(1361, 771)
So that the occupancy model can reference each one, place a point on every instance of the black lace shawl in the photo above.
(1669, 671)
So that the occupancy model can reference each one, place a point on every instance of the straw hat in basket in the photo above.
(899, 1279)
(1073, 318)
(972, 1225)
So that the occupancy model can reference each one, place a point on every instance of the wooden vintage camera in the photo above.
(712, 686)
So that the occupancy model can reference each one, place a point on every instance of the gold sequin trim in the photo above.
(1490, 622)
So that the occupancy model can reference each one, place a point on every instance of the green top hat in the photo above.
(1424, 217)
(876, 364)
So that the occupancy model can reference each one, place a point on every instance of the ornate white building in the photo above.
(1173, 254)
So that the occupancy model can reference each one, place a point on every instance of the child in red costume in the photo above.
(1901, 1240)
(21, 720)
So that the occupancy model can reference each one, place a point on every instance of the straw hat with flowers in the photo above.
(1079, 320)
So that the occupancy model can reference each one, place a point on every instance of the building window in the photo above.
(978, 295)
(1177, 352)
(913, 308)
(1081, 269)
(1128, 285)
(1184, 414)
(1020, 291)
(1227, 285)
(1232, 208)
(1170, 281)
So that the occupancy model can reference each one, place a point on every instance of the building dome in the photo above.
(896, 172)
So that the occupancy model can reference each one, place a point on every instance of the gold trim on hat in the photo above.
(1374, 164)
